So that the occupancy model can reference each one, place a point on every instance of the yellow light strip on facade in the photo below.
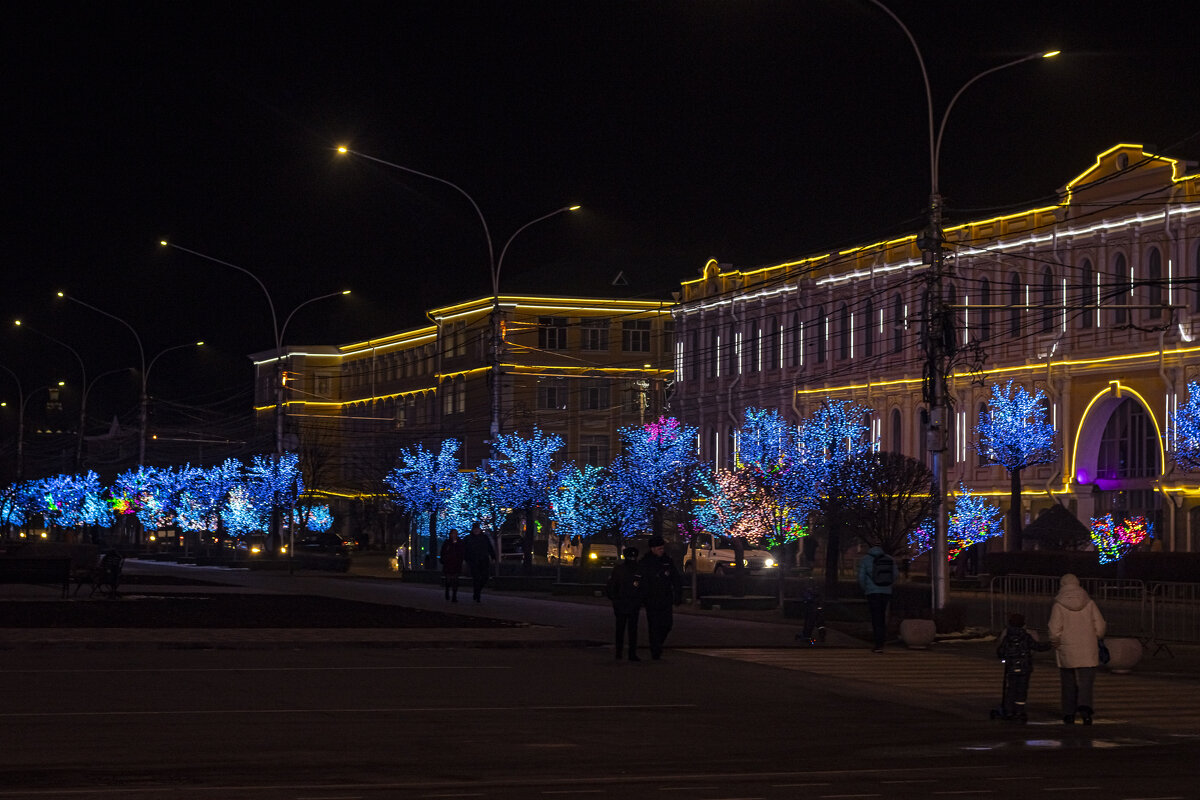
(406, 339)
(1117, 388)
(1175, 176)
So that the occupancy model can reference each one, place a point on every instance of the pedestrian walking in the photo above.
(1076, 627)
(1015, 650)
(479, 556)
(662, 590)
(454, 552)
(876, 574)
(624, 589)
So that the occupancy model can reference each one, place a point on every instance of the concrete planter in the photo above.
(1125, 654)
(917, 633)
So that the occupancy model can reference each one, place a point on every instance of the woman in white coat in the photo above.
(1076, 626)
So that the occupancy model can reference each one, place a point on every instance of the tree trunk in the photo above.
(833, 552)
(739, 566)
(1014, 512)
(431, 556)
(527, 541)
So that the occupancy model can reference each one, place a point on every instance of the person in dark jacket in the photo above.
(479, 556)
(454, 552)
(662, 589)
(1016, 649)
(624, 589)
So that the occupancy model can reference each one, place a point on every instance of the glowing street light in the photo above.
(937, 359)
(494, 266)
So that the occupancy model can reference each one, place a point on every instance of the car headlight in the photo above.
(768, 563)
(592, 555)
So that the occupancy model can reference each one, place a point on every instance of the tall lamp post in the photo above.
(142, 357)
(22, 399)
(940, 323)
(494, 265)
(83, 383)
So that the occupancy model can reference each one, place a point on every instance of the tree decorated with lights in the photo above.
(203, 496)
(1186, 422)
(582, 504)
(1115, 537)
(14, 504)
(830, 440)
(144, 492)
(273, 485)
(474, 502)
(522, 474)
(71, 500)
(655, 473)
(770, 468)
(1014, 433)
(317, 518)
(973, 520)
(423, 483)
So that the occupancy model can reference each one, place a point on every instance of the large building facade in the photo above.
(581, 368)
(1093, 300)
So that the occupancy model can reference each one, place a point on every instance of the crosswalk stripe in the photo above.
(1129, 699)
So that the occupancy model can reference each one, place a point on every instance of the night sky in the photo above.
(748, 131)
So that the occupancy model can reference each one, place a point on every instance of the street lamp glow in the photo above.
(574, 208)
(1051, 54)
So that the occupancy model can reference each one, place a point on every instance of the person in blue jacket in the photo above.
(877, 586)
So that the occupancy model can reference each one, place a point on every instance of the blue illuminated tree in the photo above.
(1014, 433)
(423, 483)
(772, 477)
(317, 518)
(655, 474)
(473, 502)
(273, 484)
(1186, 421)
(202, 498)
(144, 492)
(582, 503)
(522, 474)
(71, 500)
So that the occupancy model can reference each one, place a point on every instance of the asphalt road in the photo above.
(355, 721)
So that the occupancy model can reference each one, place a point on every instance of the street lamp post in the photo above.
(83, 383)
(939, 323)
(494, 266)
(141, 356)
(22, 399)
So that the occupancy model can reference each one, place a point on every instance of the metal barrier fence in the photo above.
(1161, 612)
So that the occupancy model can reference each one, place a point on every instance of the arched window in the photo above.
(732, 346)
(1154, 295)
(984, 331)
(1048, 300)
(754, 351)
(796, 353)
(844, 349)
(1129, 444)
(869, 330)
(692, 359)
(897, 432)
(714, 352)
(897, 323)
(774, 344)
(1087, 294)
(1014, 300)
(1120, 290)
(819, 332)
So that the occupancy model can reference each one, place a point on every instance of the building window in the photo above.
(984, 331)
(820, 331)
(552, 333)
(980, 417)
(1196, 279)
(796, 338)
(594, 333)
(595, 450)
(754, 354)
(635, 336)
(1048, 302)
(714, 353)
(1154, 296)
(845, 349)
(897, 323)
(1120, 290)
(454, 397)
(774, 344)
(897, 432)
(1086, 294)
(731, 352)
(1014, 303)
(693, 356)
(1129, 445)
(594, 396)
(869, 330)
(552, 395)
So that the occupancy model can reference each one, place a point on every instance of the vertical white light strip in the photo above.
(716, 447)
(679, 376)
(1131, 280)
(1054, 417)
(881, 322)
(851, 334)
(1064, 304)
(1167, 421)
(1170, 284)
(717, 355)
(906, 316)
(802, 343)
(966, 336)
(1097, 298)
(781, 360)
(737, 353)
(758, 355)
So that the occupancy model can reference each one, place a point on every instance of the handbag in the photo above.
(1104, 654)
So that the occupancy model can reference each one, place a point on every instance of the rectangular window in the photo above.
(635, 336)
(594, 396)
(552, 395)
(552, 333)
(594, 334)
(595, 450)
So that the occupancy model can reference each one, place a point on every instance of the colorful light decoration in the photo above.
(1186, 424)
(1115, 538)
(973, 520)
(654, 472)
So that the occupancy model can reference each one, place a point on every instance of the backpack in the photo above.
(1014, 651)
(883, 570)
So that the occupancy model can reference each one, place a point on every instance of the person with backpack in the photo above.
(876, 574)
(1016, 650)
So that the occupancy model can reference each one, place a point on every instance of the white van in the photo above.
(569, 552)
(715, 554)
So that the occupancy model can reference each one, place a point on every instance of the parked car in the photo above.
(716, 554)
(326, 542)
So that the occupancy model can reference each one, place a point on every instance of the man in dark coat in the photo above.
(454, 552)
(479, 555)
(662, 589)
(624, 589)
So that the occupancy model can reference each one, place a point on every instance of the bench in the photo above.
(36, 570)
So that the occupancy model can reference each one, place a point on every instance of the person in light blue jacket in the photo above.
(876, 574)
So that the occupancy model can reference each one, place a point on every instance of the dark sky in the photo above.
(752, 131)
